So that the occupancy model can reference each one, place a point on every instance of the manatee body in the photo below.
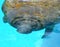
(28, 16)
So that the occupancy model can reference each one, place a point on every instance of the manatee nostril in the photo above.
(24, 29)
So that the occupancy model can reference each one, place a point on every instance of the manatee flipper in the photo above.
(48, 31)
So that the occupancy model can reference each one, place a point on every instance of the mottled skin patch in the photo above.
(28, 16)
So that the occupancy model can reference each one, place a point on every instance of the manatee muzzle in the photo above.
(26, 25)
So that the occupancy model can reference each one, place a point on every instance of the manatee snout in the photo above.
(26, 26)
(24, 29)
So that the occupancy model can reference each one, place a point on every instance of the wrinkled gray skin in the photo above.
(24, 23)
(27, 23)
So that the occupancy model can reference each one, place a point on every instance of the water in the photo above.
(9, 37)
(54, 38)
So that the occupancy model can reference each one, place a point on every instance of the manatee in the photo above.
(32, 15)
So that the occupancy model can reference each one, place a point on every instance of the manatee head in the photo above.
(24, 18)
